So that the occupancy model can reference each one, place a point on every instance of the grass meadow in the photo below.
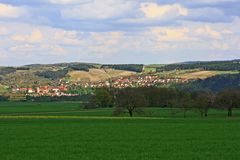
(63, 131)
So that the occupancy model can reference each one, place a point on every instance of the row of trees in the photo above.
(213, 65)
(24, 98)
(126, 67)
(134, 100)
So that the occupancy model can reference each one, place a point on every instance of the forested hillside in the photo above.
(7, 70)
(216, 83)
(215, 65)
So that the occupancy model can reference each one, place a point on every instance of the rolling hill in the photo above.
(98, 74)
(43, 74)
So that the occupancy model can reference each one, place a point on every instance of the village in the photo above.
(44, 91)
(134, 81)
(120, 82)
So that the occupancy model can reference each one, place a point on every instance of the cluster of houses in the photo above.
(120, 82)
(50, 90)
(44, 90)
(23, 90)
(134, 81)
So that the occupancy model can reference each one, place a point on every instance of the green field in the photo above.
(76, 109)
(63, 131)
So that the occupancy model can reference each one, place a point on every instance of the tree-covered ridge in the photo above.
(53, 74)
(7, 70)
(127, 67)
(216, 83)
(23, 79)
(214, 65)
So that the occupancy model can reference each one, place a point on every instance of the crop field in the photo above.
(76, 109)
(205, 74)
(98, 74)
(66, 131)
(193, 73)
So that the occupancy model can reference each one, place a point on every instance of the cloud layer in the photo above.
(118, 31)
(8, 11)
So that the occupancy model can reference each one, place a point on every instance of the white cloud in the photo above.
(54, 49)
(212, 1)
(35, 37)
(63, 1)
(207, 14)
(2, 56)
(107, 38)
(152, 14)
(44, 41)
(98, 9)
(38, 49)
(207, 31)
(3, 30)
(220, 46)
(66, 37)
(32, 40)
(44, 34)
(68, 1)
(153, 10)
(171, 34)
(8, 11)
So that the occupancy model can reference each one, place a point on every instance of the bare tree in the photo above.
(130, 99)
(229, 99)
(183, 102)
(204, 101)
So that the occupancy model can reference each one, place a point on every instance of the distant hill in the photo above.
(215, 83)
(212, 65)
(42, 74)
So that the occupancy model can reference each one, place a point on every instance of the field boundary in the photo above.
(75, 117)
(45, 112)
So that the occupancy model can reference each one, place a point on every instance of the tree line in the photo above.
(24, 98)
(126, 67)
(133, 100)
(214, 65)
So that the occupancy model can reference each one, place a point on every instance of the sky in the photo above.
(118, 31)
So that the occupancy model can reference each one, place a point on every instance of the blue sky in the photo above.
(118, 31)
